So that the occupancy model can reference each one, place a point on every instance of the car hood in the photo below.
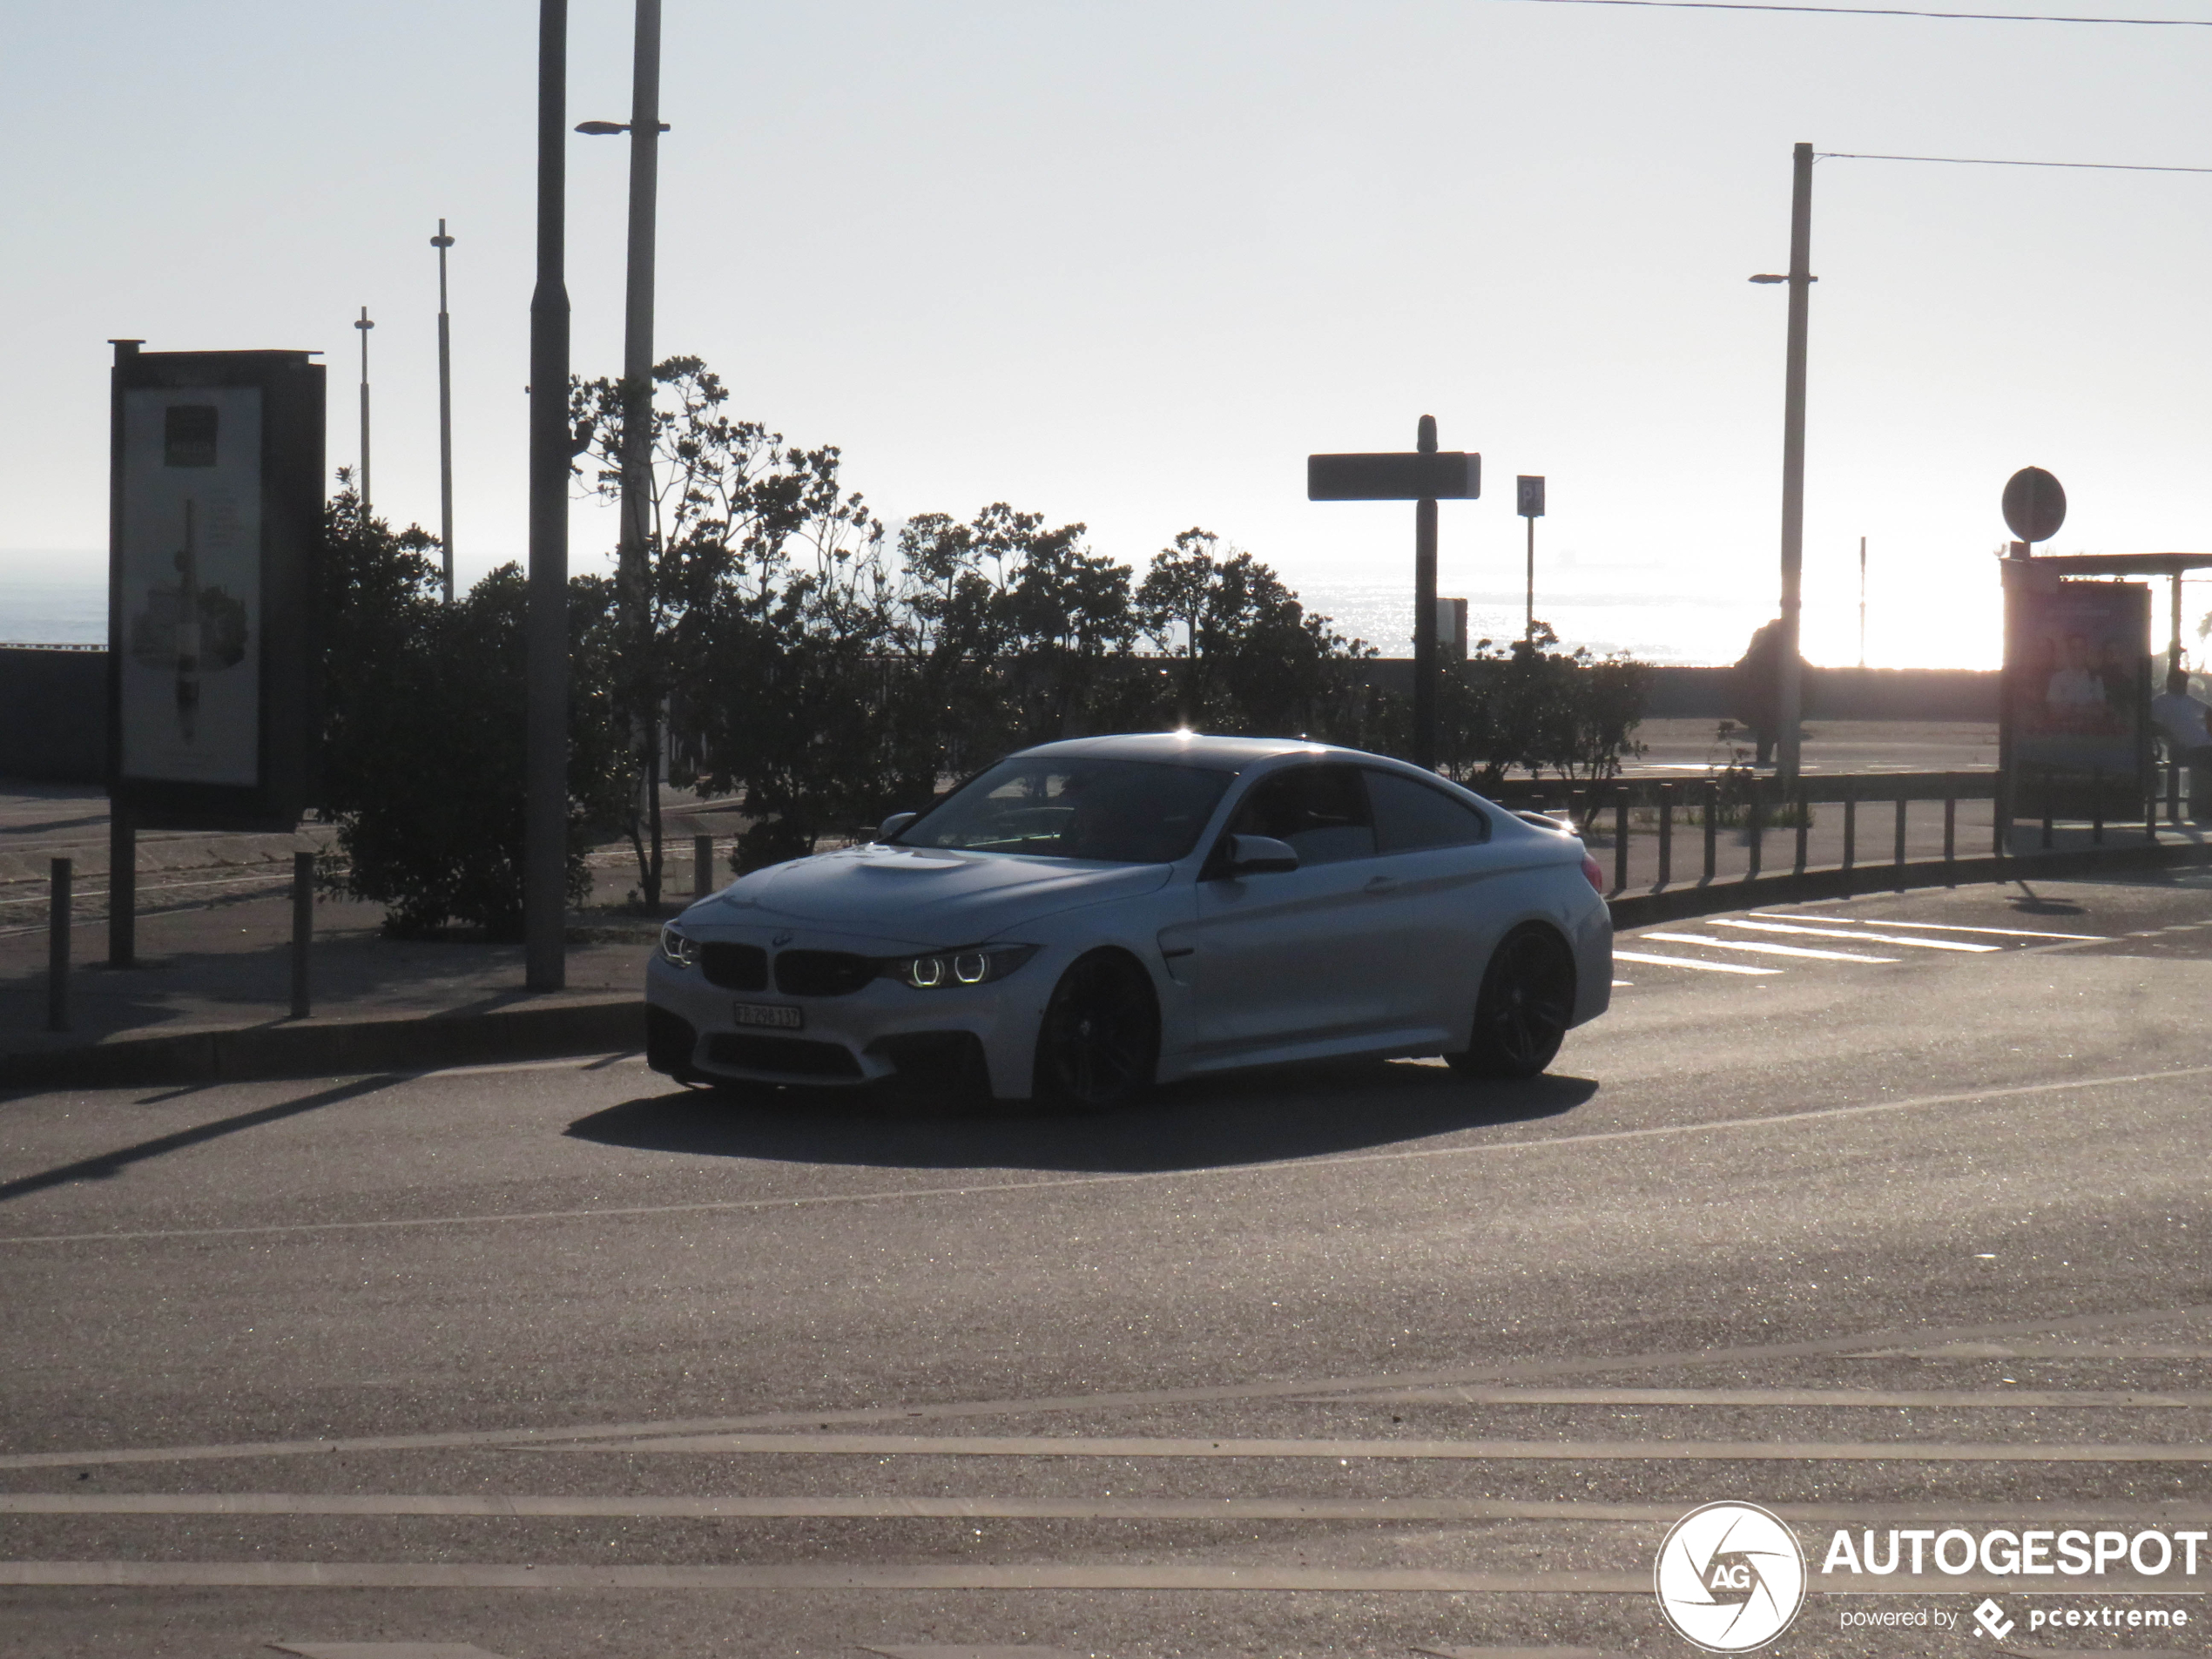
(933, 895)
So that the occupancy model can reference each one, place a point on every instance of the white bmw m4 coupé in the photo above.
(1089, 918)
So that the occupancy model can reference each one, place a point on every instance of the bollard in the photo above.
(1804, 823)
(303, 928)
(1851, 827)
(57, 947)
(2047, 829)
(1950, 838)
(1712, 804)
(1900, 843)
(1666, 833)
(1754, 821)
(122, 887)
(702, 866)
(1620, 838)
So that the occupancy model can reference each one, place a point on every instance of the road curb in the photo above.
(546, 1032)
(1702, 899)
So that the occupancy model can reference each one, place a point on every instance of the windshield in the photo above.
(1116, 811)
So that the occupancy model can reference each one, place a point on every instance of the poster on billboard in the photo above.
(214, 521)
(2077, 697)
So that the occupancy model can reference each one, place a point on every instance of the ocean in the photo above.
(43, 602)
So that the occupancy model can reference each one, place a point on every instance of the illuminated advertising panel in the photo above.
(214, 523)
(2077, 674)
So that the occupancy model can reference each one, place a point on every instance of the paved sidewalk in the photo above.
(211, 992)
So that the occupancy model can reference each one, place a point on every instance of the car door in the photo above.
(1290, 956)
(1432, 868)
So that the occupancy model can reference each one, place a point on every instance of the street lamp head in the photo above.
(600, 129)
(1770, 278)
(441, 239)
(363, 323)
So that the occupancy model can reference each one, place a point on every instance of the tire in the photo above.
(1098, 1044)
(1526, 1004)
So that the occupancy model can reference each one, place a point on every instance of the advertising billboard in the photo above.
(2078, 683)
(214, 521)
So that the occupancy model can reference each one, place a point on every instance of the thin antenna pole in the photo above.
(1862, 602)
(441, 242)
(364, 325)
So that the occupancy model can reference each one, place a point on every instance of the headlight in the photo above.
(677, 949)
(966, 965)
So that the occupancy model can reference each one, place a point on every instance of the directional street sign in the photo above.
(1450, 477)
(1425, 478)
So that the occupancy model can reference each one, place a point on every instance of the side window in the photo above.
(1410, 815)
(1321, 812)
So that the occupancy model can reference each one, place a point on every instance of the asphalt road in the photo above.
(557, 1361)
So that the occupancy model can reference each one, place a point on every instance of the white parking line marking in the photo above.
(1039, 1445)
(1767, 950)
(383, 1649)
(1686, 962)
(1839, 933)
(1943, 927)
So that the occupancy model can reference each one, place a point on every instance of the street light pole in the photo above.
(364, 325)
(545, 763)
(1790, 681)
(441, 242)
(633, 574)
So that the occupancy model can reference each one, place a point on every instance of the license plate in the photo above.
(767, 1014)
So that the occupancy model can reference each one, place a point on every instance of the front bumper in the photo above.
(885, 1031)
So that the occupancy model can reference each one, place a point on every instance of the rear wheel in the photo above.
(1099, 1041)
(1526, 1004)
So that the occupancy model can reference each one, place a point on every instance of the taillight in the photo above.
(1595, 872)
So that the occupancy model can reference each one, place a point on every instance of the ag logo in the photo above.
(1730, 1577)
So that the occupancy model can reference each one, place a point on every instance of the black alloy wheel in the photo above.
(1099, 1041)
(1524, 1007)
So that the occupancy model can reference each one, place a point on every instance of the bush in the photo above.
(421, 760)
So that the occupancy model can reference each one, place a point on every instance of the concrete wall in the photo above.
(53, 714)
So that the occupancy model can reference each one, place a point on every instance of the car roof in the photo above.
(1195, 748)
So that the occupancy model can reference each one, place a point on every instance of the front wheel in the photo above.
(1526, 1004)
(1099, 1041)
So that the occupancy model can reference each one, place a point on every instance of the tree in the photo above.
(1253, 660)
(1522, 705)
(730, 501)
(421, 751)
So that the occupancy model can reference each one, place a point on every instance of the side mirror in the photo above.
(892, 825)
(1260, 855)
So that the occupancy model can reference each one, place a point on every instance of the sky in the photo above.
(1129, 263)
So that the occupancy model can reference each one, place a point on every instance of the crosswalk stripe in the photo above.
(1839, 932)
(1939, 926)
(1767, 950)
(1688, 961)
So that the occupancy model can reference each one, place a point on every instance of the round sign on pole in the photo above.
(2034, 504)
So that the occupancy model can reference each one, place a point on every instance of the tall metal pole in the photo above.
(1862, 602)
(1425, 613)
(1790, 681)
(633, 583)
(1528, 624)
(364, 325)
(441, 242)
(545, 784)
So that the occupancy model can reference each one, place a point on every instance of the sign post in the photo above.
(2034, 508)
(1424, 477)
(1528, 490)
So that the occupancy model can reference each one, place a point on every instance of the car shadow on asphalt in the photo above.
(1254, 1117)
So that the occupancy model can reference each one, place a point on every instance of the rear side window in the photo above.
(1410, 815)
(1320, 812)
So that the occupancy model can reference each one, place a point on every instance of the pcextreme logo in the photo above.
(1730, 1577)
